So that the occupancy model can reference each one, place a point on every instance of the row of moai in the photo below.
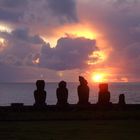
(83, 94)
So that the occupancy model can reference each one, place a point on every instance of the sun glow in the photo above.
(96, 57)
(98, 77)
(2, 44)
(78, 30)
(2, 40)
(5, 28)
(75, 30)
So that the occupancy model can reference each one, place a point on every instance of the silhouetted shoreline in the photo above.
(104, 109)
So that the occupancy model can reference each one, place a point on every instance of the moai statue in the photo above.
(62, 94)
(83, 91)
(40, 93)
(121, 99)
(104, 94)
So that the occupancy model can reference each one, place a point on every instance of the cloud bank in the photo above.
(69, 53)
(116, 20)
(21, 48)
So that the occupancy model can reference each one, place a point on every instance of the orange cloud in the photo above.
(72, 30)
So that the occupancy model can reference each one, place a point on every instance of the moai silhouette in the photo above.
(62, 94)
(121, 100)
(104, 94)
(83, 91)
(40, 93)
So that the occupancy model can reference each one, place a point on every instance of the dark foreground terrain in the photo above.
(71, 130)
(52, 123)
(73, 112)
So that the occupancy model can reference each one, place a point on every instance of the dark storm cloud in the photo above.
(50, 13)
(20, 48)
(43, 12)
(23, 34)
(12, 10)
(63, 8)
(10, 16)
(70, 53)
(13, 3)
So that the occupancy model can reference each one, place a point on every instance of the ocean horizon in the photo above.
(23, 92)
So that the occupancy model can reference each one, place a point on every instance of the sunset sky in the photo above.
(61, 39)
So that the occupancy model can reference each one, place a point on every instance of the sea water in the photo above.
(23, 93)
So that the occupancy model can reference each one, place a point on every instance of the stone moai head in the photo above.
(40, 84)
(62, 84)
(82, 80)
(103, 87)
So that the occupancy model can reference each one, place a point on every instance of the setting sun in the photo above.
(98, 77)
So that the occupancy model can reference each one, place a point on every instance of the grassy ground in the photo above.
(71, 130)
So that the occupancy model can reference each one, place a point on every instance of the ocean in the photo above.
(23, 93)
